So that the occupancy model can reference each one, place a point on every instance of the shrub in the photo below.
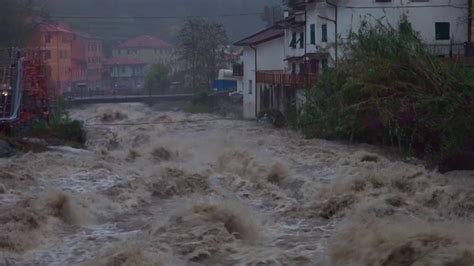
(199, 103)
(389, 90)
(61, 129)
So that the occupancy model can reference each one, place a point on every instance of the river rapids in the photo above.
(171, 188)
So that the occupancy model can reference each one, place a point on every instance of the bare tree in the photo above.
(19, 19)
(272, 14)
(201, 48)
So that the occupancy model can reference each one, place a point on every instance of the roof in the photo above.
(265, 35)
(145, 41)
(55, 27)
(123, 60)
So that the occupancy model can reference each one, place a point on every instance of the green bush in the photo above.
(61, 129)
(389, 90)
(199, 103)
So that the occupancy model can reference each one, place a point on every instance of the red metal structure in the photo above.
(24, 94)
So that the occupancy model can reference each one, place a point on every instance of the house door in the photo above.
(314, 66)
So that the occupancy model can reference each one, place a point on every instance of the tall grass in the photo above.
(389, 90)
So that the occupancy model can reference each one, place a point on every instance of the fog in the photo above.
(164, 17)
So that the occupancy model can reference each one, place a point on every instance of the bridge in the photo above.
(74, 101)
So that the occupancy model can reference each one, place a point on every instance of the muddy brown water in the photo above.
(170, 188)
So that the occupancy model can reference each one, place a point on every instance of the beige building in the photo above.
(148, 49)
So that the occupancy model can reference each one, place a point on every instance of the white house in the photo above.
(442, 24)
(292, 53)
(263, 53)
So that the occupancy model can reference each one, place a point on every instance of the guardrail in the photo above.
(451, 49)
(285, 79)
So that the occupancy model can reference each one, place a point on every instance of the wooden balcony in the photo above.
(299, 81)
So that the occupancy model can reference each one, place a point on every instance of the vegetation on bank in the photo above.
(390, 90)
(199, 104)
(60, 130)
(158, 80)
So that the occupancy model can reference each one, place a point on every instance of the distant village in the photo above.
(270, 69)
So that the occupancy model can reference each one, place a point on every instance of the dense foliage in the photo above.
(391, 91)
(61, 129)
(157, 80)
(18, 19)
(201, 49)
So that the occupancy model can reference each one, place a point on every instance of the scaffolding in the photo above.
(24, 94)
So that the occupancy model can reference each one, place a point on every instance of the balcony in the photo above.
(299, 81)
(238, 70)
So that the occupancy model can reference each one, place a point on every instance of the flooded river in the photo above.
(170, 188)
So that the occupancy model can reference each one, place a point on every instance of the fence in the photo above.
(285, 79)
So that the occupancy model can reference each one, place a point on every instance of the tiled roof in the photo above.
(56, 27)
(123, 60)
(145, 41)
(265, 35)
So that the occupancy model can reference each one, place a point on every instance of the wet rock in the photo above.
(6, 149)
(3, 189)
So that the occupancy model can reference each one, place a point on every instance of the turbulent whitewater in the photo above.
(170, 188)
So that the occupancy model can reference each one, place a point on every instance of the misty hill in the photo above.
(117, 29)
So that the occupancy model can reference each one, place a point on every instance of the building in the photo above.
(74, 59)
(148, 49)
(281, 62)
(127, 75)
(87, 63)
(263, 53)
(315, 27)
(56, 42)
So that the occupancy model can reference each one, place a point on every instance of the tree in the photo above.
(201, 48)
(18, 19)
(158, 79)
(272, 14)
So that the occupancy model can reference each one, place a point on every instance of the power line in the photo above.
(152, 17)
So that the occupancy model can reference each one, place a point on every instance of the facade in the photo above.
(87, 63)
(127, 75)
(56, 42)
(263, 52)
(309, 40)
(94, 57)
(148, 49)
(442, 24)
(73, 58)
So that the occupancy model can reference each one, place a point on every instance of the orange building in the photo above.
(75, 59)
(56, 42)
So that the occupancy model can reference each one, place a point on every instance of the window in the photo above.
(47, 38)
(250, 87)
(313, 34)
(119, 51)
(293, 40)
(324, 32)
(442, 31)
(293, 68)
(123, 69)
(129, 51)
(302, 40)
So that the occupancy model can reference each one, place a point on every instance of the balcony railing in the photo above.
(451, 49)
(238, 70)
(285, 79)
